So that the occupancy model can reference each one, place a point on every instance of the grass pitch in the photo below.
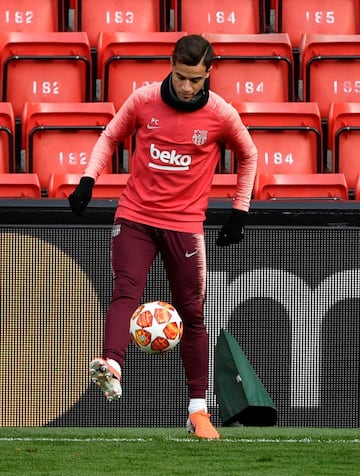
(171, 451)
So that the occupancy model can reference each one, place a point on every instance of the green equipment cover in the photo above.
(241, 396)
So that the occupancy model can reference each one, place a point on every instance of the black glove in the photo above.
(81, 196)
(233, 230)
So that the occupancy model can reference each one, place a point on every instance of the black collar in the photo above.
(169, 97)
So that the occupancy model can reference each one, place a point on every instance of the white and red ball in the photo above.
(156, 327)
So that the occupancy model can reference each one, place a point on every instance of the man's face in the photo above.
(187, 80)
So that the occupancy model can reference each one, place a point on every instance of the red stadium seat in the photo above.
(44, 67)
(288, 136)
(7, 138)
(106, 186)
(252, 67)
(300, 186)
(329, 69)
(212, 16)
(59, 137)
(329, 17)
(129, 60)
(96, 16)
(14, 185)
(32, 15)
(344, 140)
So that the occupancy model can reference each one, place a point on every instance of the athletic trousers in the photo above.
(134, 247)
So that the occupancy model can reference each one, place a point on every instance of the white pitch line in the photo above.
(86, 440)
(271, 440)
(183, 440)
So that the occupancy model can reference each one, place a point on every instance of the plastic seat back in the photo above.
(96, 16)
(252, 67)
(228, 16)
(288, 136)
(329, 69)
(7, 138)
(329, 17)
(130, 60)
(32, 15)
(58, 138)
(44, 67)
(344, 140)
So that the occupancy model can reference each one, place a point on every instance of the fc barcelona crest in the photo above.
(199, 137)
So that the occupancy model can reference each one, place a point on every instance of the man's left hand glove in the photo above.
(233, 230)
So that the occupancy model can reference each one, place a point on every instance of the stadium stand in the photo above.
(44, 67)
(344, 140)
(58, 137)
(252, 67)
(228, 16)
(301, 187)
(124, 44)
(129, 60)
(7, 138)
(328, 17)
(288, 136)
(20, 185)
(32, 15)
(329, 69)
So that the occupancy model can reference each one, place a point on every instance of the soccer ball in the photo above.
(156, 327)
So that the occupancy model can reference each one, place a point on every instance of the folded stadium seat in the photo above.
(106, 186)
(228, 16)
(129, 60)
(13, 185)
(252, 67)
(95, 16)
(357, 188)
(344, 140)
(59, 137)
(223, 186)
(288, 136)
(301, 187)
(7, 138)
(329, 69)
(330, 17)
(32, 15)
(44, 67)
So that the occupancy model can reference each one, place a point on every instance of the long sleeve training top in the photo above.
(175, 158)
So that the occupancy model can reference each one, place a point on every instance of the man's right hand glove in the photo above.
(81, 196)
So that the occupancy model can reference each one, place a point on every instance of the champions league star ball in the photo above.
(156, 327)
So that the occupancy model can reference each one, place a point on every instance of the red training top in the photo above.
(175, 158)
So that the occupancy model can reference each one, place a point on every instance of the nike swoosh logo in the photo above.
(189, 255)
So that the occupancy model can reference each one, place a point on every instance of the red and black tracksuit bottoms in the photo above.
(134, 248)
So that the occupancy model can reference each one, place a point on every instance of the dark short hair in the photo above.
(192, 50)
